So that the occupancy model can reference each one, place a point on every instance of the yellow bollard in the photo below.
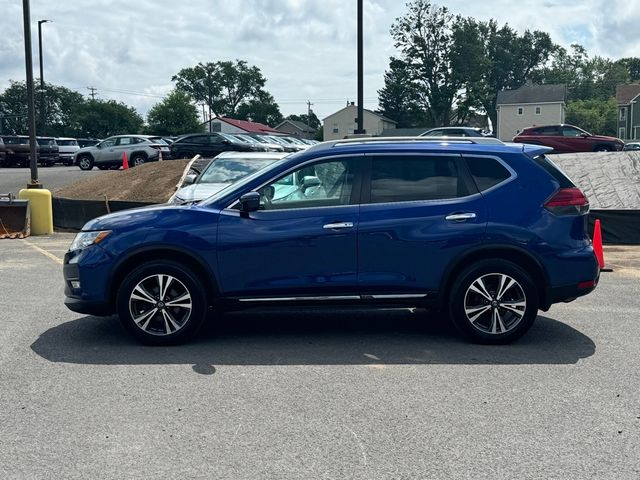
(41, 210)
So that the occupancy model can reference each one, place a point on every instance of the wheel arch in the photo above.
(512, 253)
(184, 257)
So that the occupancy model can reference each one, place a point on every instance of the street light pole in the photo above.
(42, 107)
(31, 110)
(360, 129)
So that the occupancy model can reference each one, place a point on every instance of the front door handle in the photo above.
(460, 217)
(338, 225)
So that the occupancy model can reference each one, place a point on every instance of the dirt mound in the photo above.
(152, 182)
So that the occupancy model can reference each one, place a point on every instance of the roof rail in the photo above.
(473, 140)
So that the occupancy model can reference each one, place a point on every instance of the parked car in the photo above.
(109, 152)
(210, 145)
(487, 232)
(568, 139)
(456, 132)
(87, 142)
(18, 150)
(48, 151)
(272, 147)
(224, 170)
(631, 146)
(3, 153)
(68, 147)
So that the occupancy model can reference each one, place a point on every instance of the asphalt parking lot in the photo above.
(14, 179)
(309, 394)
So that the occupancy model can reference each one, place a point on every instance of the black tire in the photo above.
(603, 148)
(168, 326)
(509, 326)
(85, 162)
(137, 160)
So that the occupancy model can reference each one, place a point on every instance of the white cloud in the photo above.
(305, 48)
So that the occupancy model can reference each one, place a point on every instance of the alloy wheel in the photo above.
(160, 305)
(495, 303)
(84, 163)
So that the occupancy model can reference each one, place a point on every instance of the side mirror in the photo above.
(226, 142)
(98, 145)
(250, 202)
(310, 181)
(189, 179)
(585, 135)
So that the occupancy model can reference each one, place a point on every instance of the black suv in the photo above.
(211, 145)
(3, 153)
(48, 151)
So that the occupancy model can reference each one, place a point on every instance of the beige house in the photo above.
(344, 122)
(528, 106)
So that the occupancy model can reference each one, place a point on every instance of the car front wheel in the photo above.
(85, 162)
(603, 148)
(161, 303)
(494, 301)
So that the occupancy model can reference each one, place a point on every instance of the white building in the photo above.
(528, 106)
(345, 122)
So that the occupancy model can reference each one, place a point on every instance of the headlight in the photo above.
(86, 239)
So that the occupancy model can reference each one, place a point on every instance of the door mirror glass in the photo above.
(250, 202)
(189, 179)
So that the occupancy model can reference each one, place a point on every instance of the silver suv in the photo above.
(109, 152)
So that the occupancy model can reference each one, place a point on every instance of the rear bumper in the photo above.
(568, 293)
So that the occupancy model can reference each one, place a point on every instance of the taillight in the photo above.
(568, 201)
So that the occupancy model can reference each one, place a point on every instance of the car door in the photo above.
(302, 242)
(418, 212)
(574, 140)
(124, 144)
(105, 150)
(218, 144)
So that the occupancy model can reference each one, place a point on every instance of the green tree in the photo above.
(61, 109)
(262, 109)
(508, 59)
(632, 64)
(223, 86)
(174, 115)
(424, 37)
(319, 135)
(597, 116)
(399, 98)
(103, 118)
(312, 120)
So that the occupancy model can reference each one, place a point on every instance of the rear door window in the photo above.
(415, 178)
(547, 131)
(487, 172)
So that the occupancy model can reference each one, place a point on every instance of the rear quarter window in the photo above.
(487, 172)
(553, 170)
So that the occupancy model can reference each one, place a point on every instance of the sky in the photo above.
(129, 49)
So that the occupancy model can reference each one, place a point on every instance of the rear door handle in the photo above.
(460, 217)
(338, 225)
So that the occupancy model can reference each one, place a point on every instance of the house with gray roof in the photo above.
(344, 122)
(628, 112)
(295, 128)
(528, 106)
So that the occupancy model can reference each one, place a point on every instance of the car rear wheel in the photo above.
(602, 148)
(161, 303)
(494, 301)
(85, 162)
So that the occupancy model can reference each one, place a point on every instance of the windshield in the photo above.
(45, 141)
(245, 180)
(231, 138)
(246, 138)
(230, 170)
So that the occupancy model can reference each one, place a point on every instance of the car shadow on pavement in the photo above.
(312, 337)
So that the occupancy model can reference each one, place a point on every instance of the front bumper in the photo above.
(91, 268)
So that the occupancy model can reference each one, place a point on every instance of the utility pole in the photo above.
(31, 109)
(93, 91)
(309, 115)
(42, 105)
(360, 129)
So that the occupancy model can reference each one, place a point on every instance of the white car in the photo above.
(68, 147)
(224, 170)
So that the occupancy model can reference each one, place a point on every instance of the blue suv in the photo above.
(487, 232)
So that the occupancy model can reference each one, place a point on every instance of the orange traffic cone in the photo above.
(159, 155)
(125, 162)
(597, 244)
